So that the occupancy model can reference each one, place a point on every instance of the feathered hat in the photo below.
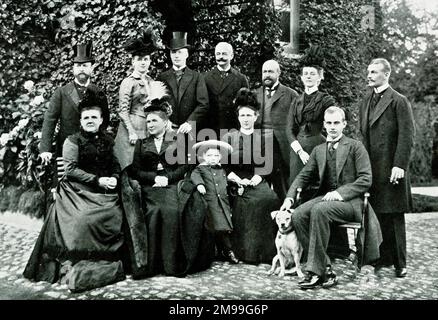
(246, 98)
(143, 45)
(159, 105)
(95, 98)
(313, 57)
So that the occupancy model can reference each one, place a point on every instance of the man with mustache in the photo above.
(64, 105)
(275, 100)
(388, 129)
(223, 82)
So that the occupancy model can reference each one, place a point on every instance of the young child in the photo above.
(210, 180)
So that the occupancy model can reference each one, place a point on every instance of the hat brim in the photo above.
(223, 146)
(76, 60)
(188, 46)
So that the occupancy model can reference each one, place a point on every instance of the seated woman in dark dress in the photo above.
(254, 231)
(85, 221)
(173, 239)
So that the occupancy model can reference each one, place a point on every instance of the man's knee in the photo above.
(318, 211)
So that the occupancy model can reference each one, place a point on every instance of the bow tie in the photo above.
(216, 166)
(269, 91)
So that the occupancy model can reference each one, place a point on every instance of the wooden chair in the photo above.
(354, 226)
(60, 171)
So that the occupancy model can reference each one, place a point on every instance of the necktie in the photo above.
(270, 92)
(331, 146)
(178, 75)
(224, 74)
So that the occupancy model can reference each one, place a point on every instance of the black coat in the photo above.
(388, 135)
(189, 100)
(221, 94)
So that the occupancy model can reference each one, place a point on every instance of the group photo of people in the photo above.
(183, 169)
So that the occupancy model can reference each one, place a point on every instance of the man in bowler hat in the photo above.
(64, 104)
(187, 91)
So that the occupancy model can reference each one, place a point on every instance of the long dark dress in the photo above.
(305, 124)
(174, 233)
(85, 221)
(254, 230)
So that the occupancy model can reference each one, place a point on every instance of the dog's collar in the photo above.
(288, 231)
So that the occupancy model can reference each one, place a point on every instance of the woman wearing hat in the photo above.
(136, 92)
(254, 231)
(159, 166)
(306, 116)
(85, 221)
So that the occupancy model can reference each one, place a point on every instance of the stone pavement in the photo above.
(226, 281)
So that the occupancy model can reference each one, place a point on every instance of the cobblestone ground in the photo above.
(225, 281)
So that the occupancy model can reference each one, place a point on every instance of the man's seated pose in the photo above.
(344, 170)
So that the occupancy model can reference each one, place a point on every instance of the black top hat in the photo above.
(178, 41)
(83, 52)
(94, 98)
(143, 45)
(246, 98)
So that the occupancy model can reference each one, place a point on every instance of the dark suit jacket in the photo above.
(63, 107)
(281, 103)
(221, 94)
(388, 135)
(190, 100)
(353, 171)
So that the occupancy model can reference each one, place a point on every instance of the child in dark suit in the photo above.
(210, 180)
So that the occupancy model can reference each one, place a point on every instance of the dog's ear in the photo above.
(290, 210)
(273, 214)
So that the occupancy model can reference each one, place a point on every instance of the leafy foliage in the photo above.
(37, 44)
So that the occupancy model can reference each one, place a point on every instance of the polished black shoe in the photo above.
(314, 282)
(330, 279)
(401, 273)
(230, 257)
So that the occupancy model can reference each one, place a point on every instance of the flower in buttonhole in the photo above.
(22, 123)
(37, 100)
(28, 85)
(4, 138)
(37, 135)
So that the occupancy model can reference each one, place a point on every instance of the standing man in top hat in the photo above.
(64, 104)
(187, 90)
(275, 99)
(223, 82)
(387, 127)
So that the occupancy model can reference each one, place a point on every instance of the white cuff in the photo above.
(296, 146)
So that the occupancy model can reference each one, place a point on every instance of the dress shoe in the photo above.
(230, 257)
(401, 273)
(313, 282)
(330, 279)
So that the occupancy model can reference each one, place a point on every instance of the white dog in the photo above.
(289, 249)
